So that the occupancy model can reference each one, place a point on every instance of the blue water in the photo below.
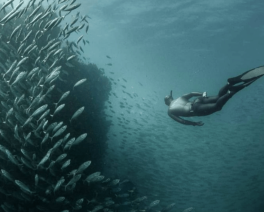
(184, 46)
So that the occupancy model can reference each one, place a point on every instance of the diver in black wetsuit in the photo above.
(203, 105)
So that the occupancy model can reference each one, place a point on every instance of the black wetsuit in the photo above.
(203, 106)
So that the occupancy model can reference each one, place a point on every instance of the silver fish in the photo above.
(19, 77)
(59, 184)
(64, 96)
(83, 166)
(14, 32)
(44, 139)
(77, 113)
(45, 158)
(71, 57)
(58, 109)
(57, 127)
(60, 158)
(79, 39)
(68, 144)
(23, 187)
(79, 83)
(39, 110)
(66, 164)
(7, 175)
(72, 7)
(73, 180)
(59, 132)
(79, 139)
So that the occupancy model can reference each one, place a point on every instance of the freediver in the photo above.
(203, 105)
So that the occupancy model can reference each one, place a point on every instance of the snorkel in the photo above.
(171, 94)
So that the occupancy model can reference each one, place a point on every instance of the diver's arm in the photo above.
(185, 122)
(192, 94)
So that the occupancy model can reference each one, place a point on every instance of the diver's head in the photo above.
(168, 99)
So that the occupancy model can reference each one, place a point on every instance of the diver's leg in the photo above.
(204, 109)
(207, 109)
(223, 99)
(223, 90)
(213, 99)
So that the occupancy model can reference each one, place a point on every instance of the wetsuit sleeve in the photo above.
(182, 121)
(192, 94)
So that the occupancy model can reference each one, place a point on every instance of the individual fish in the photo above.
(6, 4)
(91, 176)
(22, 61)
(73, 180)
(39, 110)
(83, 166)
(27, 121)
(20, 76)
(71, 57)
(168, 208)
(27, 163)
(36, 19)
(60, 158)
(58, 109)
(77, 113)
(60, 199)
(58, 184)
(68, 144)
(26, 154)
(74, 21)
(27, 36)
(14, 64)
(73, 7)
(64, 96)
(79, 39)
(14, 33)
(36, 180)
(71, 30)
(45, 114)
(59, 132)
(45, 158)
(12, 158)
(79, 139)
(44, 139)
(65, 164)
(152, 204)
(33, 13)
(79, 83)
(7, 175)
(81, 26)
(23, 187)
(57, 127)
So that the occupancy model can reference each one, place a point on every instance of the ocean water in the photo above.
(184, 46)
(144, 49)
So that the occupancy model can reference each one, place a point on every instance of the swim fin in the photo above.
(248, 76)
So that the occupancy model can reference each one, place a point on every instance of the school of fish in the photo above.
(37, 172)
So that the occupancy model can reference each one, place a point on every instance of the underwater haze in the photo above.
(183, 46)
(104, 68)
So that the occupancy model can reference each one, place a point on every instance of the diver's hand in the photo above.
(199, 123)
(204, 94)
